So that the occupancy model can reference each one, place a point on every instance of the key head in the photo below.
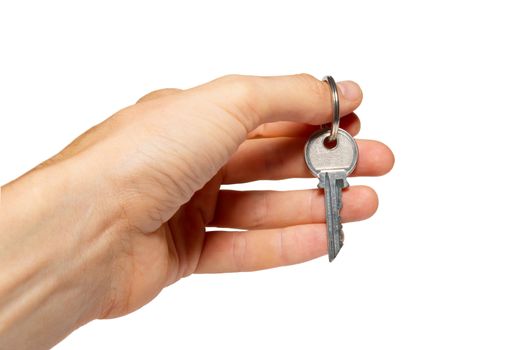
(319, 157)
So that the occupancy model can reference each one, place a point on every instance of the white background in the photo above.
(426, 272)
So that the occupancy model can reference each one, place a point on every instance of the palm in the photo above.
(168, 254)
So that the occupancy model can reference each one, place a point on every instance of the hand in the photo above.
(134, 195)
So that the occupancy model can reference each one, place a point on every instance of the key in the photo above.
(332, 164)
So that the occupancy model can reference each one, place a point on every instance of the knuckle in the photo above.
(159, 93)
(240, 98)
(260, 213)
(239, 251)
(259, 132)
(283, 249)
(314, 85)
(315, 209)
(243, 86)
(306, 77)
(230, 77)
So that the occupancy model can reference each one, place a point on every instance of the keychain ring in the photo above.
(335, 107)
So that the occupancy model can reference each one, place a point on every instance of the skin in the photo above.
(100, 228)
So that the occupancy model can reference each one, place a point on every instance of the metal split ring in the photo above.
(335, 107)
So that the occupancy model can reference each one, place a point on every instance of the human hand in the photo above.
(136, 193)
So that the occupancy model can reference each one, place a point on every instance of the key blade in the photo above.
(333, 182)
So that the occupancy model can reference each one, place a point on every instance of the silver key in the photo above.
(332, 166)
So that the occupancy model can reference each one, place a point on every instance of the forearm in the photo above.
(54, 259)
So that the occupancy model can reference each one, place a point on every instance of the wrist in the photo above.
(56, 255)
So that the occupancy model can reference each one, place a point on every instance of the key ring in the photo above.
(335, 104)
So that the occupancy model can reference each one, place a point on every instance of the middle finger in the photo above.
(272, 209)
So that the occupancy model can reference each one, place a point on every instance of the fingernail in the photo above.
(350, 90)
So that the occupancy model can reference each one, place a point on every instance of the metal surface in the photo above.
(335, 107)
(319, 157)
(333, 183)
(332, 166)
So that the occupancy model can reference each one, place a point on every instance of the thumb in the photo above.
(160, 93)
(299, 98)
(199, 129)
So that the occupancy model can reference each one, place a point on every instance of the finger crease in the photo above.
(281, 246)
(239, 251)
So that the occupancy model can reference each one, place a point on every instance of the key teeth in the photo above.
(333, 182)
(334, 252)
